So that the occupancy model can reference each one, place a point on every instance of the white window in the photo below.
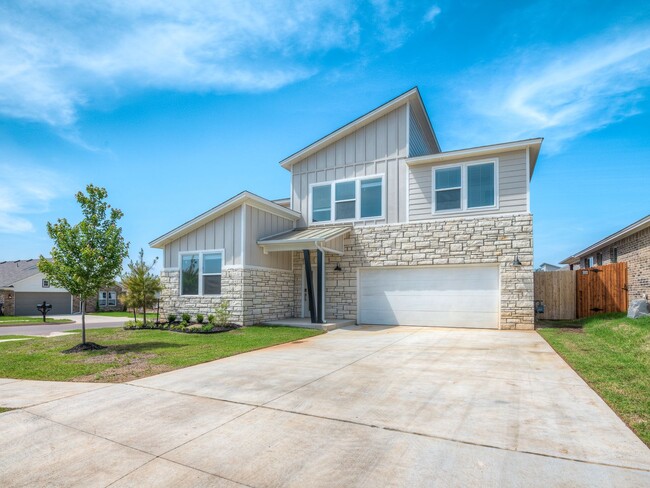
(346, 200)
(107, 298)
(201, 273)
(45, 283)
(466, 186)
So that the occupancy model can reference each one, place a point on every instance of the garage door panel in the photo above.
(26, 302)
(458, 296)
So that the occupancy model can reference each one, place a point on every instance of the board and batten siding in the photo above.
(421, 142)
(513, 187)
(376, 148)
(224, 232)
(259, 224)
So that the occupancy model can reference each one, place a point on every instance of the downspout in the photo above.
(320, 273)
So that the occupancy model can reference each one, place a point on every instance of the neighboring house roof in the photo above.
(298, 239)
(14, 271)
(228, 205)
(616, 236)
(412, 95)
(533, 144)
(548, 266)
(284, 202)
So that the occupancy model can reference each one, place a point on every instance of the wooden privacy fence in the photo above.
(601, 289)
(568, 294)
(557, 290)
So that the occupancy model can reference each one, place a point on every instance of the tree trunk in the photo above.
(83, 322)
(144, 313)
(135, 317)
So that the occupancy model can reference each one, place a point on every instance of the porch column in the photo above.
(321, 285)
(310, 286)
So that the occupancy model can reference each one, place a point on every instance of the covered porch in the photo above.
(318, 240)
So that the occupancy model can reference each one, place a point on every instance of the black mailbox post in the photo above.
(44, 308)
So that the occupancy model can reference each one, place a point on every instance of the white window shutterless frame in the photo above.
(347, 200)
(200, 272)
(477, 189)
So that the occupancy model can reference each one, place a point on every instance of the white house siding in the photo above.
(513, 187)
(34, 283)
(421, 142)
(377, 148)
(224, 232)
(260, 223)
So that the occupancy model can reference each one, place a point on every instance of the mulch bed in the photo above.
(85, 346)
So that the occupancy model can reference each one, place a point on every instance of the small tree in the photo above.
(86, 256)
(141, 284)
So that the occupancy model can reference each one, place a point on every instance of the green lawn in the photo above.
(132, 354)
(22, 320)
(612, 354)
(2, 337)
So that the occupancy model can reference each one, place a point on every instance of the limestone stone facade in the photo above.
(254, 295)
(467, 240)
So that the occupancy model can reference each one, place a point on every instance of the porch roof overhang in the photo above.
(301, 239)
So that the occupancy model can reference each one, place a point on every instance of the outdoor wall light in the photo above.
(516, 261)
(338, 267)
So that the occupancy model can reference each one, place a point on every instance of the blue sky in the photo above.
(178, 106)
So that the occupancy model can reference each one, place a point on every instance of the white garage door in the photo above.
(458, 296)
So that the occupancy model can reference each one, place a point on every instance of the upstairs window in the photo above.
(346, 200)
(201, 273)
(107, 298)
(466, 186)
(45, 283)
(613, 254)
(599, 259)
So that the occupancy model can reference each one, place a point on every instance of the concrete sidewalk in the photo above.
(360, 406)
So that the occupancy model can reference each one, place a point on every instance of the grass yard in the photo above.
(132, 354)
(612, 354)
(7, 320)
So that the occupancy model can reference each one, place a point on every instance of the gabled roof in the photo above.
(533, 144)
(13, 271)
(616, 236)
(412, 95)
(236, 201)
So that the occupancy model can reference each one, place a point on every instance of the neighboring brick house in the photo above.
(108, 300)
(630, 245)
(381, 228)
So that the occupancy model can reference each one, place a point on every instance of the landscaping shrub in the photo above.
(211, 318)
(206, 328)
(186, 317)
(199, 318)
(222, 314)
(171, 318)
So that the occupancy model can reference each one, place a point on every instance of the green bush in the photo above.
(206, 328)
(211, 318)
(199, 318)
(171, 318)
(223, 314)
(186, 317)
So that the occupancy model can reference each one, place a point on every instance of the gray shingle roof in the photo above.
(13, 271)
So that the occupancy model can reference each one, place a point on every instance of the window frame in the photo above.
(201, 274)
(613, 254)
(45, 283)
(464, 187)
(357, 200)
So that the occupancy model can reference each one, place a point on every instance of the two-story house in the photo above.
(382, 227)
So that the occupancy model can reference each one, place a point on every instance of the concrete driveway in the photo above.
(92, 322)
(360, 406)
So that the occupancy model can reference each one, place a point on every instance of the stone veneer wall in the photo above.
(467, 240)
(254, 295)
(8, 304)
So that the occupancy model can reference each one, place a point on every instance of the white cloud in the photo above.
(24, 191)
(556, 93)
(432, 13)
(58, 56)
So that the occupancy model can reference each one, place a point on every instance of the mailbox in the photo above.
(44, 308)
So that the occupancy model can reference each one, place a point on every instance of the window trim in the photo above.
(613, 254)
(200, 253)
(464, 188)
(357, 203)
(45, 283)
